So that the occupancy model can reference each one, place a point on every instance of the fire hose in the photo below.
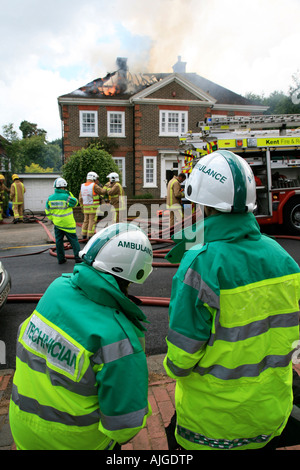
(154, 301)
(150, 301)
(158, 253)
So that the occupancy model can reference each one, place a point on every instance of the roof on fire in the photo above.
(123, 85)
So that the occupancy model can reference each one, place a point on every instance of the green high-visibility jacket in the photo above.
(81, 379)
(234, 323)
(59, 209)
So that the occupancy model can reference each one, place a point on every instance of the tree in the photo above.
(105, 143)
(30, 129)
(278, 102)
(11, 145)
(35, 168)
(32, 148)
(85, 160)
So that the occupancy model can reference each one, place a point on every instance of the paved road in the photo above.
(25, 251)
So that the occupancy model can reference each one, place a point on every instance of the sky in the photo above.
(50, 48)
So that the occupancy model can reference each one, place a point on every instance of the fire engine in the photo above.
(271, 146)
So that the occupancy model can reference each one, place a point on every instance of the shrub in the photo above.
(85, 160)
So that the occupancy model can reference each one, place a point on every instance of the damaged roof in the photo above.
(123, 85)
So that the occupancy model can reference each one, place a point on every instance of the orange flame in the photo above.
(109, 90)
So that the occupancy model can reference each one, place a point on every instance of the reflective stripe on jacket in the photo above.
(81, 378)
(17, 191)
(59, 209)
(234, 318)
(117, 196)
(174, 194)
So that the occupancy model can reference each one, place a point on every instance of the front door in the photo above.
(170, 166)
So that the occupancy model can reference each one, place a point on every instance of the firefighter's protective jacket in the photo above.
(233, 327)
(59, 209)
(116, 196)
(174, 193)
(17, 191)
(81, 379)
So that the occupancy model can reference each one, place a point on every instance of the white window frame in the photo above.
(122, 168)
(84, 133)
(165, 117)
(116, 134)
(153, 183)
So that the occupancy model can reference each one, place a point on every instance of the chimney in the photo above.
(179, 67)
(122, 64)
(122, 74)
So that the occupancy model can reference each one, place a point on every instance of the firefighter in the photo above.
(17, 191)
(81, 379)
(116, 196)
(89, 200)
(105, 207)
(3, 188)
(59, 209)
(174, 198)
(233, 319)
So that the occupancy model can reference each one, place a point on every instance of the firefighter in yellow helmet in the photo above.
(17, 191)
(3, 188)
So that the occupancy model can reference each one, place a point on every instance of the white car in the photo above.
(5, 284)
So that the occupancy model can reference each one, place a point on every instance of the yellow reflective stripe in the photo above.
(171, 193)
(17, 201)
(238, 302)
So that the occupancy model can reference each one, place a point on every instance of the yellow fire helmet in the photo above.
(15, 177)
(1, 177)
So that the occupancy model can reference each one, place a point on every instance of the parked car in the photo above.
(5, 284)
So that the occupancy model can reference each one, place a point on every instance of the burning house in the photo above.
(144, 114)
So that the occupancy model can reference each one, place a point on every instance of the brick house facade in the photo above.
(144, 115)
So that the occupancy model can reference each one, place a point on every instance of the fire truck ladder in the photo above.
(231, 123)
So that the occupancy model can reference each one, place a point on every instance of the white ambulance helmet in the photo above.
(222, 180)
(123, 250)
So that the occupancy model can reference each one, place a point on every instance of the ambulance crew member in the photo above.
(81, 380)
(17, 191)
(233, 318)
(89, 200)
(59, 209)
(116, 196)
(174, 198)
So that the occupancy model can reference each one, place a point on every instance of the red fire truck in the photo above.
(271, 145)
